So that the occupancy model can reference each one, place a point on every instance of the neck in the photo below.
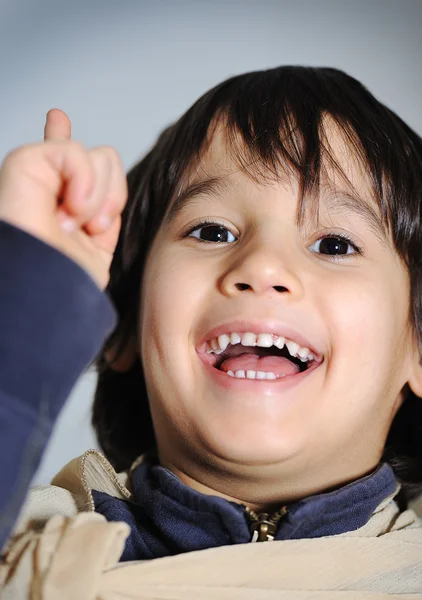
(261, 489)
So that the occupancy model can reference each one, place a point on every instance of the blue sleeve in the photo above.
(53, 322)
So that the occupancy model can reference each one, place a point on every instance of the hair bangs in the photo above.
(276, 122)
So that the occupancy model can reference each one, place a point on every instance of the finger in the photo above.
(93, 204)
(47, 172)
(107, 240)
(119, 185)
(115, 197)
(57, 126)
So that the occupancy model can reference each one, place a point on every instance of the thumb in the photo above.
(57, 125)
(59, 128)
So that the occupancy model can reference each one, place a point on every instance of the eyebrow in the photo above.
(336, 201)
(212, 187)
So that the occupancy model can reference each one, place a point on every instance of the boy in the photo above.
(267, 358)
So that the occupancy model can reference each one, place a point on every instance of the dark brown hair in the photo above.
(278, 116)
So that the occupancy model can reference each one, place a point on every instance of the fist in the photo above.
(67, 196)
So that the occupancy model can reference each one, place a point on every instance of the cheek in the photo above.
(366, 318)
(173, 294)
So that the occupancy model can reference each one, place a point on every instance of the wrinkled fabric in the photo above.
(75, 555)
(167, 517)
(76, 558)
(53, 321)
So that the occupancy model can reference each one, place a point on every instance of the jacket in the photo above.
(63, 549)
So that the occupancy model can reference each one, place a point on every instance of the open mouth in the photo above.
(262, 356)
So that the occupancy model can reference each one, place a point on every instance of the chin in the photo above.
(248, 445)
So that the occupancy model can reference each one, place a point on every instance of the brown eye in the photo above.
(212, 233)
(334, 246)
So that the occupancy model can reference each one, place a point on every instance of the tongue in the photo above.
(251, 362)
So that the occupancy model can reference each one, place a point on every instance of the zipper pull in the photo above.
(263, 530)
(264, 526)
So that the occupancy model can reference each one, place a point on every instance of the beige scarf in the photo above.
(61, 553)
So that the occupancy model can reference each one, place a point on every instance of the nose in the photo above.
(263, 270)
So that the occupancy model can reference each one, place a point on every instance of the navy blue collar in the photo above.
(169, 517)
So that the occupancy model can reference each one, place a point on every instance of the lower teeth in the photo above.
(254, 375)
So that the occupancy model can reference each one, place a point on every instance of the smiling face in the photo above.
(335, 288)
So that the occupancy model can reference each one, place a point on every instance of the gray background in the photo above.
(124, 69)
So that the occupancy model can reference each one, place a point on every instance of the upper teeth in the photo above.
(264, 340)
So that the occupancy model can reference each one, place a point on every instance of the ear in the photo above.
(125, 359)
(415, 379)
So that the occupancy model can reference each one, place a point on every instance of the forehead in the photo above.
(345, 183)
(225, 154)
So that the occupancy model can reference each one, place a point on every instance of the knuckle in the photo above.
(74, 145)
(18, 157)
(21, 154)
(101, 156)
(60, 143)
(112, 154)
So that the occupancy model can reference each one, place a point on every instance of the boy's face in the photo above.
(306, 431)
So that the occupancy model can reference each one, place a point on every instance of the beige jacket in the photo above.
(63, 550)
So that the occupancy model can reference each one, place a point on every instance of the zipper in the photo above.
(263, 526)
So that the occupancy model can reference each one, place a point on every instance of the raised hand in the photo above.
(66, 195)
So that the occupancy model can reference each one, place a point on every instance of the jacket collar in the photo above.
(168, 517)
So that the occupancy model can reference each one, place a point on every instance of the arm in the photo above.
(60, 207)
(53, 321)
